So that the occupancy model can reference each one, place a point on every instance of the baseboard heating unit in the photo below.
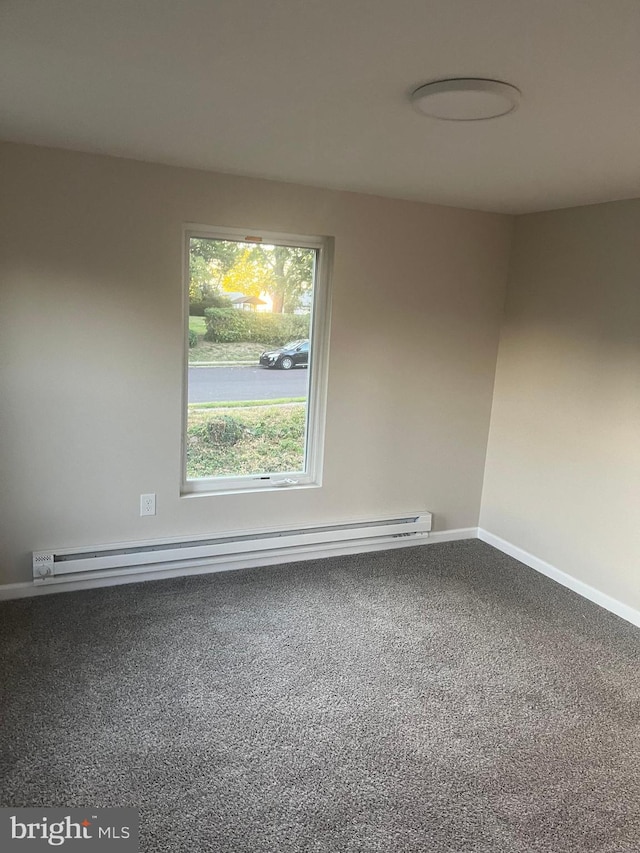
(105, 561)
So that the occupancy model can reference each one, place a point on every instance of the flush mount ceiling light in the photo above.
(466, 99)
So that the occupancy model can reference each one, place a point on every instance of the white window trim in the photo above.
(318, 365)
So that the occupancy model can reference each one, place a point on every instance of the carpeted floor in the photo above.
(431, 699)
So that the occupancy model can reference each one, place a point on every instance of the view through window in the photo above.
(251, 352)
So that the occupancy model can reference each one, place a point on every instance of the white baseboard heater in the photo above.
(106, 561)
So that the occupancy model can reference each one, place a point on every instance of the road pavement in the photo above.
(225, 384)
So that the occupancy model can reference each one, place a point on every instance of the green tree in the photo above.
(292, 271)
(209, 262)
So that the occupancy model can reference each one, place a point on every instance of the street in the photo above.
(224, 384)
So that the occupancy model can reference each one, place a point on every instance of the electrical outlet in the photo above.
(147, 504)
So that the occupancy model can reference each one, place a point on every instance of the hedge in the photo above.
(231, 325)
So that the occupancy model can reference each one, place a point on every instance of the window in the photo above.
(256, 344)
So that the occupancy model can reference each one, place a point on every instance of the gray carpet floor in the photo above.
(434, 699)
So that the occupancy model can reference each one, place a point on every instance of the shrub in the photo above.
(193, 339)
(233, 326)
(197, 307)
(224, 429)
(226, 325)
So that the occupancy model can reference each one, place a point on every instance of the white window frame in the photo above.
(318, 365)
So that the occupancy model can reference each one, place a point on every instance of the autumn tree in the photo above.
(284, 272)
(250, 274)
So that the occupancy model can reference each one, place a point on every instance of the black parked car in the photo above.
(295, 354)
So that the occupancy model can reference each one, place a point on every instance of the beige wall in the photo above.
(91, 349)
(563, 466)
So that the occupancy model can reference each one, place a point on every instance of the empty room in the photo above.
(320, 426)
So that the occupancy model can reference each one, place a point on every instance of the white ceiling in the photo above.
(316, 91)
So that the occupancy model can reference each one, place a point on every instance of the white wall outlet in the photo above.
(147, 504)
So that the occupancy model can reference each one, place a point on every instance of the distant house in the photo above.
(250, 303)
(264, 303)
(304, 305)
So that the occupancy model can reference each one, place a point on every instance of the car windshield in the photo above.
(292, 345)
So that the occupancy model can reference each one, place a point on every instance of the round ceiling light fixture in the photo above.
(466, 99)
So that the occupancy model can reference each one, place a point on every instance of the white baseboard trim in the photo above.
(625, 612)
(309, 552)
(453, 535)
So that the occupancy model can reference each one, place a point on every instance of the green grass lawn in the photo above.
(240, 441)
(206, 351)
(243, 404)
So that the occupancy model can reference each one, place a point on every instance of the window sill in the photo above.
(206, 490)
